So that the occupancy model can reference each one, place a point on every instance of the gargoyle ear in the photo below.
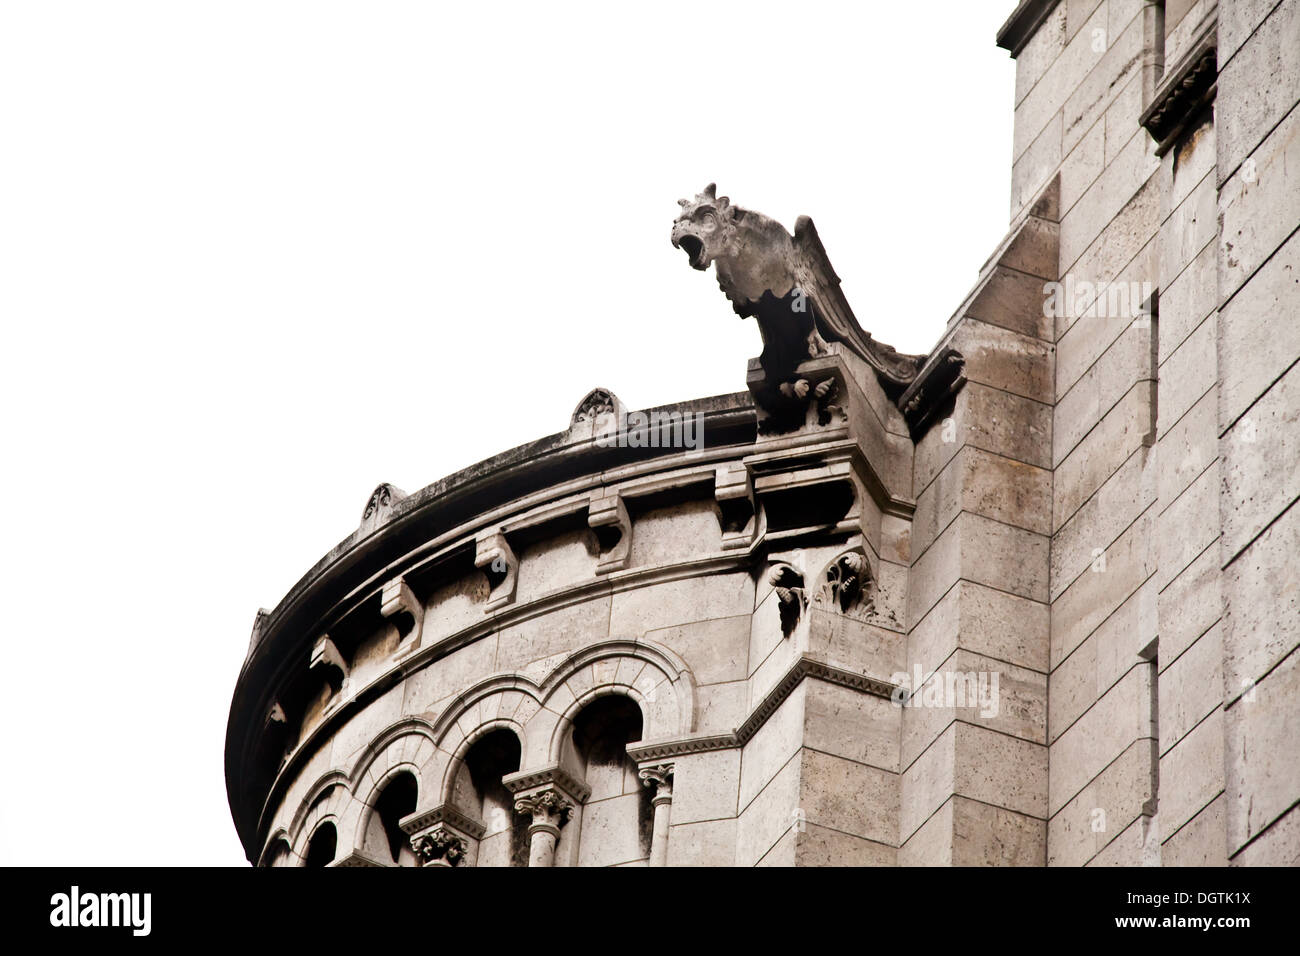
(710, 191)
(683, 203)
(723, 203)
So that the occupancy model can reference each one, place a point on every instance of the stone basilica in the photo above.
(1029, 599)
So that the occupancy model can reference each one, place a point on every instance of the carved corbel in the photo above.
(438, 847)
(607, 516)
(399, 603)
(733, 490)
(326, 659)
(788, 584)
(846, 586)
(494, 556)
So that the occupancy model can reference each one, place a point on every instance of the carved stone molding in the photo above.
(399, 603)
(607, 516)
(326, 659)
(525, 782)
(494, 556)
(443, 814)
(443, 836)
(733, 490)
(379, 506)
(1023, 23)
(358, 859)
(791, 596)
(1187, 87)
(597, 402)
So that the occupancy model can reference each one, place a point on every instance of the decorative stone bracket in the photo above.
(607, 516)
(443, 836)
(846, 586)
(379, 507)
(399, 603)
(733, 490)
(494, 556)
(325, 658)
(788, 585)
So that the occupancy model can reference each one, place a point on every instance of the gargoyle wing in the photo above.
(834, 317)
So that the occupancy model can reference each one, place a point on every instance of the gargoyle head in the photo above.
(705, 226)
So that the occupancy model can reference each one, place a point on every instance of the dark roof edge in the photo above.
(1023, 24)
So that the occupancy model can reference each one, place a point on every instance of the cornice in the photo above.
(1187, 88)
(1023, 23)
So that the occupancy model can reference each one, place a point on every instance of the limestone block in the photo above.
(716, 651)
(1102, 452)
(1190, 605)
(1188, 448)
(1079, 13)
(1122, 715)
(1054, 88)
(609, 836)
(705, 786)
(854, 645)
(1100, 388)
(1035, 166)
(1201, 841)
(721, 708)
(1190, 688)
(675, 533)
(711, 843)
(771, 814)
(1246, 109)
(453, 606)
(1102, 660)
(557, 562)
(775, 745)
(1188, 525)
(1258, 337)
(1112, 190)
(1192, 772)
(1083, 164)
(777, 664)
(1122, 240)
(1258, 214)
(1185, 168)
(1279, 845)
(979, 549)
(1104, 808)
(637, 610)
(1237, 21)
(1261, 478)
(993, 420)
(1187, 231)
(1012, 300)
(984, 835)
(1032, 248)
(1263, 774)
(1040, 52)
(932, 843)
(1102, 519)
(963, 688)
(995, 356)
(1186, 303)
(985, 484)
(1121, 60)
(849, 797)
(1138, 845)
(560, 631)
(848, 723)
(1121, 120)
(983, 620)
(818, 846)
(1188, 374)
(1261, 589)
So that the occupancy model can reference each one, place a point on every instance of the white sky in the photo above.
(257, 257)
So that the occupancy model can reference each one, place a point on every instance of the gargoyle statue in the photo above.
(787, 283)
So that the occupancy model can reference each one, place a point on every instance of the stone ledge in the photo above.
(1023, 23)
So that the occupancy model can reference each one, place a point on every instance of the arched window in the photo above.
(479, 793)
(385, 841)
(322, 846)
(617, 818)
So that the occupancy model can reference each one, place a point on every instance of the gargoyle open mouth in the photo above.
(694, 249)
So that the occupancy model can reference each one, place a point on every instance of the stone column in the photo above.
(660, 778)
(549, 811)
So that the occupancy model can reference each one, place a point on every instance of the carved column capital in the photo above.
(659, 777)
(439, 846)
(549, 808)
